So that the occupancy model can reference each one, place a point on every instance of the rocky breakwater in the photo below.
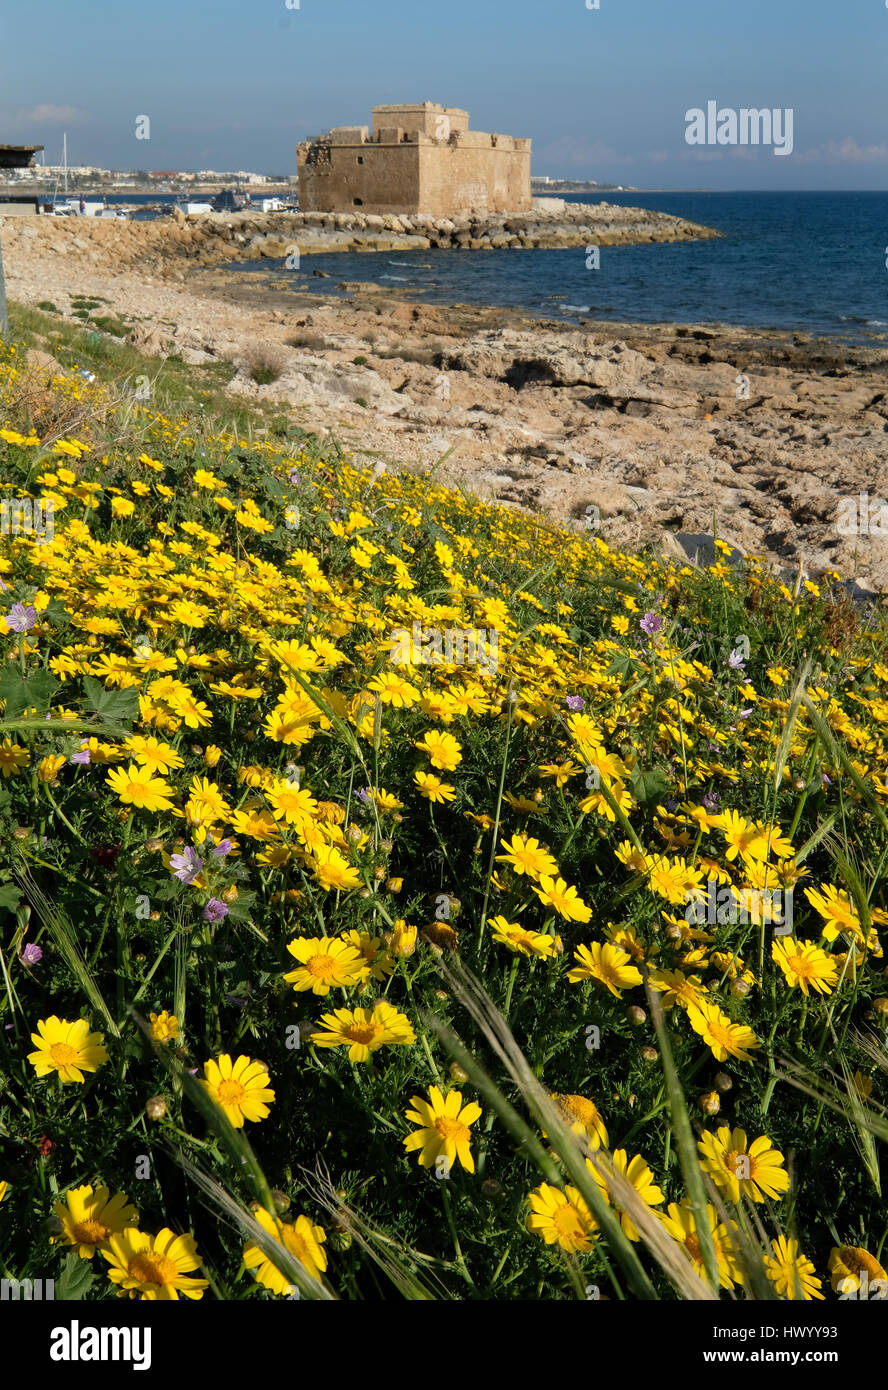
(168, 247)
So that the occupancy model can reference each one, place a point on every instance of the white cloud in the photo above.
(845, 151)
(47, 114)
(572, 152)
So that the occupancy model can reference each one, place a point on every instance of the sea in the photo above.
(807, 262)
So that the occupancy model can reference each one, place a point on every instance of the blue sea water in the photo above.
(804, 262)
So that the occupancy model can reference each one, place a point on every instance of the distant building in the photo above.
(418, 159)
(17, 157)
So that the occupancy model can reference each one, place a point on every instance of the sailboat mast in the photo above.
(65, 157)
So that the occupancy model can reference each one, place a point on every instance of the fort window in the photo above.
(359, 202)
(360, 159)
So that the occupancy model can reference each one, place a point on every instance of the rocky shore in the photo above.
(659, 429)
(172, 246)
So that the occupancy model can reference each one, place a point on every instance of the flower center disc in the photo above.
(90, 1232)
(451, 1129)
(567, 1223)
(361, 1033)
(231, 1092)
(151, 1268)
(321, 966)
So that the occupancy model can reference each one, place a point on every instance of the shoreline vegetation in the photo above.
(459, 911)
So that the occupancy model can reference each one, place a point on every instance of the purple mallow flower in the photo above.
(736, 661)
(215, 910)
(575, 702)
(186, 866)
(712, 801)
(223, 848)
(31, 954)
(364, 795)
(81, 758)
(651, 623)
(21, 617)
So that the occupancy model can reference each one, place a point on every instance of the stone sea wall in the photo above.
(167, 246)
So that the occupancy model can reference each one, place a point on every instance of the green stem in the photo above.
(460, 1258)
(511, 985)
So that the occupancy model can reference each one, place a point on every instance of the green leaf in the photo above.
(648, 786)
(239, 909)
(57, 613)
(10, 896)
(76, 1279)
(623, 664)
(111, 704)
(34, 692)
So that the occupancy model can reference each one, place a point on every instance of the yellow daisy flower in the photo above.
(444, 1131)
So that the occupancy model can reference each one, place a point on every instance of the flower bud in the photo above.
(457, 1072)
(280, 1199)
(881, 1005)
(739, 988)
(650, 1054)
(491, 1188)
(156, 1108)
(710, 1103)
(723, 1082)
(636, 1015)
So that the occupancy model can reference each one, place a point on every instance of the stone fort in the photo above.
(416, 159)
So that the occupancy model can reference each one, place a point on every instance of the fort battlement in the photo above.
(415, 159)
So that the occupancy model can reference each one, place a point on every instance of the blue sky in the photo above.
(232, 84)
